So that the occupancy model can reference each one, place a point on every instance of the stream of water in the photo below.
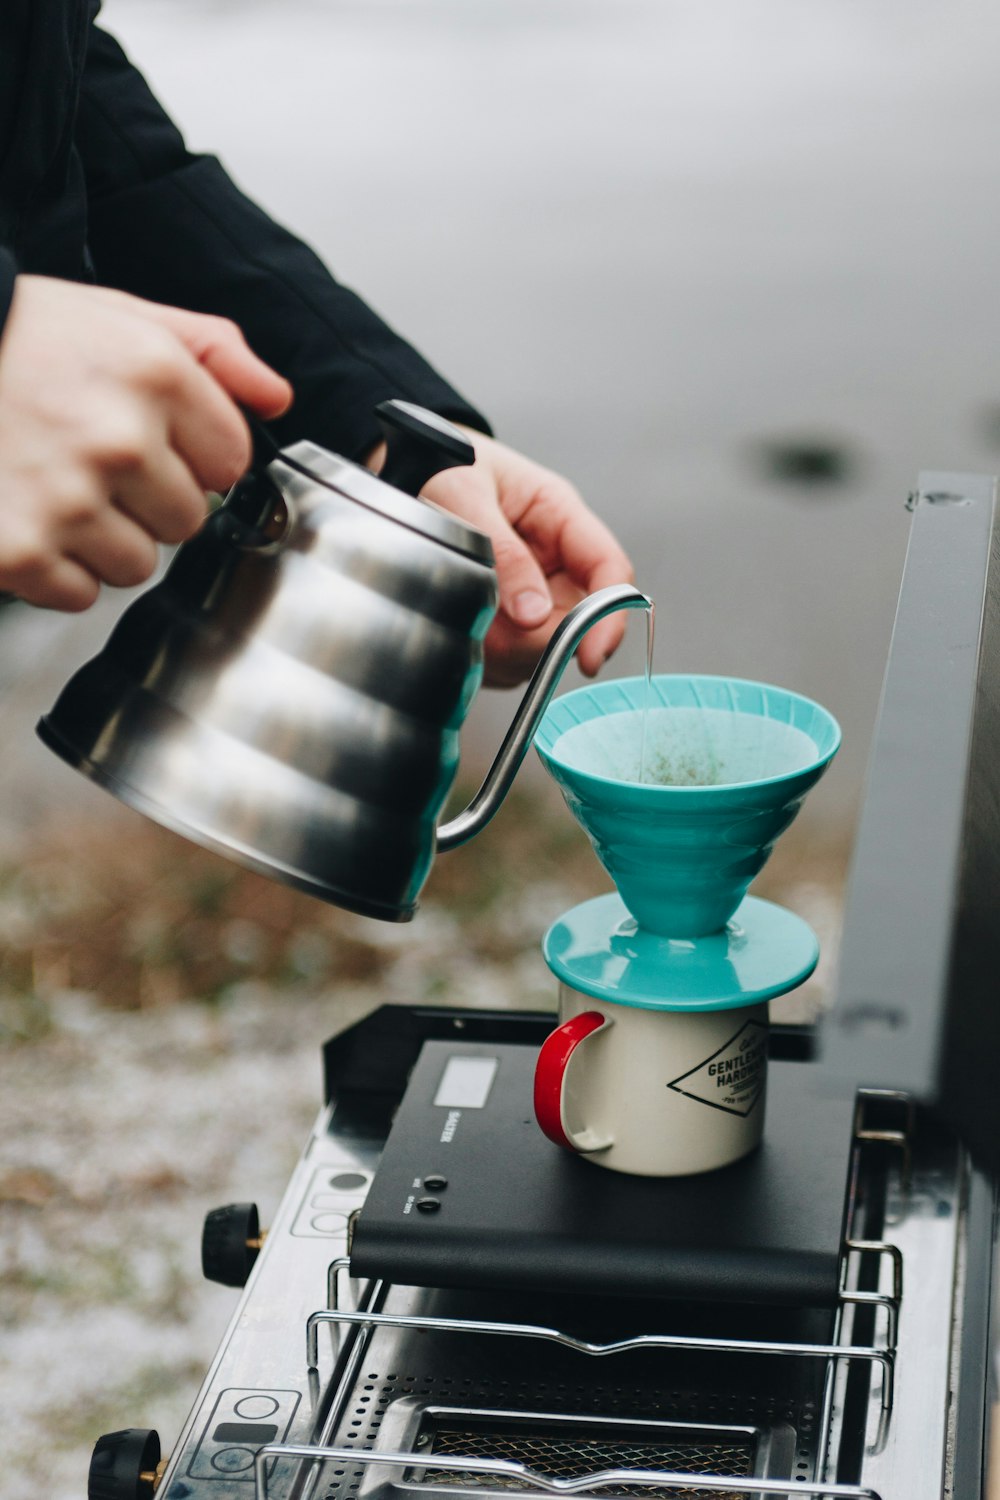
(650, 636)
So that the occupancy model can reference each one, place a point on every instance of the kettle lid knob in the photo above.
(419, 444)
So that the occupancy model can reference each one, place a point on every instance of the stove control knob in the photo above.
(230, 1243)
(125, 1465)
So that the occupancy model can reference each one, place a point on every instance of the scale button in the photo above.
(329, 1223)
(347, 1182)
(435, 1183)
(233, 1460)
(428, 1205)
(255, 1408)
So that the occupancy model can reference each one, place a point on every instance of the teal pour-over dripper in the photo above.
(727, 764)
(682, 800)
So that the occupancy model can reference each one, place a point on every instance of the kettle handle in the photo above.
(537, 697)
(265, 445)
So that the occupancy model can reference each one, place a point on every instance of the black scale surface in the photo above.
(521, 1213)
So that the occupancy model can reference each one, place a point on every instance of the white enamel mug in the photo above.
(658, 1093)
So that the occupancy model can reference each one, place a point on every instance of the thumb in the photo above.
(525, 597)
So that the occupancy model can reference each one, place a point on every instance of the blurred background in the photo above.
(732, 268)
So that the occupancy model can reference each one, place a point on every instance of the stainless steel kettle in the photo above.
(291, 692)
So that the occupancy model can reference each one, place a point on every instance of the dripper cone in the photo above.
(727, 764)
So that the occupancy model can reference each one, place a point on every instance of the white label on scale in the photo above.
(466, 1082)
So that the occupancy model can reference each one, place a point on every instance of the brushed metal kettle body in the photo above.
(291, 693)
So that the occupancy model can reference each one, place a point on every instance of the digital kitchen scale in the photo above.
(470, 1193)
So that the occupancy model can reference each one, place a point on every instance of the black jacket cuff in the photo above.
(8, 275)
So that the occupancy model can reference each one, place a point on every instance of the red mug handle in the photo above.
(552, 1072)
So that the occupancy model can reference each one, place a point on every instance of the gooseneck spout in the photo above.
(536, 700)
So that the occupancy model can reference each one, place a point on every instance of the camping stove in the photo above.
(872, 1381)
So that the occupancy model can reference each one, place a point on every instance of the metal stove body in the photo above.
(329, 1387)
(333, 1388)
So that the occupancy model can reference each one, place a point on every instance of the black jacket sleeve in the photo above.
(172, 226)
(8, 271)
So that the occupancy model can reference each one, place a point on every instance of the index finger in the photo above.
(604, 639)
(569, 536)
(219, 346)
(205, 426)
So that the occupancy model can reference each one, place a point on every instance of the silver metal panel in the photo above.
(909, 1457)
(916, 1002)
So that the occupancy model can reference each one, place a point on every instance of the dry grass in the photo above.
(137, 918)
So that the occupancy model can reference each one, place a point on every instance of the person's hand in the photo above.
(116, 416)
(550, 551)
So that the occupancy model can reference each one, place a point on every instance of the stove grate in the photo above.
(560, 1457)
(434, 1423)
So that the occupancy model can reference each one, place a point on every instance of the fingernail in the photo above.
(530, 607)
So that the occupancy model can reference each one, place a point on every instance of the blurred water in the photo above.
(649, 236)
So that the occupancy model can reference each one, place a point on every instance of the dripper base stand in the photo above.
(599, 949)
